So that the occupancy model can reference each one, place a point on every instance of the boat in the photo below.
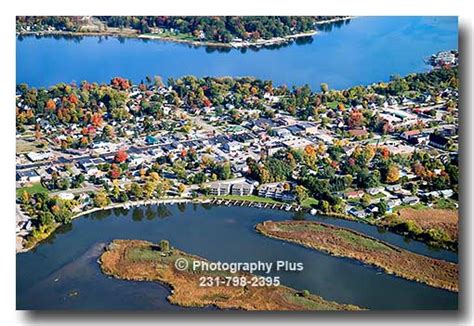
(313, 211)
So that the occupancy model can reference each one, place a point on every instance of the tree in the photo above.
(325, 206)
(149, 188)
(25, 197)
(324, 88)
(393, 174)
(101, 199)
(181, 188)
(301, 193)
(136, 190)
(51, 105)
(121, 156)
(365, 200)
(382, 207)
(164, 245)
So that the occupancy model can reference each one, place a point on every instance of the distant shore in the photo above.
(131, 33)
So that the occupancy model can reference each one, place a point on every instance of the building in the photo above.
(411, 200)
(409, 134)
(232, 146)
(242, 189)
(439, 141)
(219, 189)
(28, 176)
(276, 190)
(354, 194)
(238, 187)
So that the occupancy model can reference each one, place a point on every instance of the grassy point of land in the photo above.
(344, 242)
(144, 261)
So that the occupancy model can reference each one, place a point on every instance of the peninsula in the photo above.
(144, 261)
(344, 242)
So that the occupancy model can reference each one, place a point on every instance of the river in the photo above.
(62, 273)
(359, 52)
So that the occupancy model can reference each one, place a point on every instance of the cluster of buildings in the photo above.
(217, 136)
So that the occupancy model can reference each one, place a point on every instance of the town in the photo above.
(363, 153)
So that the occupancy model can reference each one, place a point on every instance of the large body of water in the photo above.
(362, 51)
(62, 273)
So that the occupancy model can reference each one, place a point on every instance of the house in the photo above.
(219, 188)
(242, 189)
(28, 176)
(35, 156)
(439, 141)
(232, 146)
(409, 134)
(150, 140)
(374, 191)
(393, 188)
(354, 194)
(394, 203)
(276, 190)
(297, 143)
(358, 213)
(447, 193)
(411, 200)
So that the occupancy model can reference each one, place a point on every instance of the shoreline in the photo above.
(218, 201)
(129, 33)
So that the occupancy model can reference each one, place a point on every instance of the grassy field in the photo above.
(344, 242)
(32, 189)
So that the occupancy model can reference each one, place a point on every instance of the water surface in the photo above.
(360, 52)
(62, 273)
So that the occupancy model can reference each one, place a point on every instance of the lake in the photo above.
(63, 273)
(359, 52)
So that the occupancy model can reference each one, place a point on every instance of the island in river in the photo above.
(144, 261)
(344, 242)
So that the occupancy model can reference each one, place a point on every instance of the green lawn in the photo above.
(32, 189)
(309, 202)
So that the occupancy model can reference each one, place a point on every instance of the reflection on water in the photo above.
(62, 273)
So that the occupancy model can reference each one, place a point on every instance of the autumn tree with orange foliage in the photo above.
(356, 119)
(121, 156)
